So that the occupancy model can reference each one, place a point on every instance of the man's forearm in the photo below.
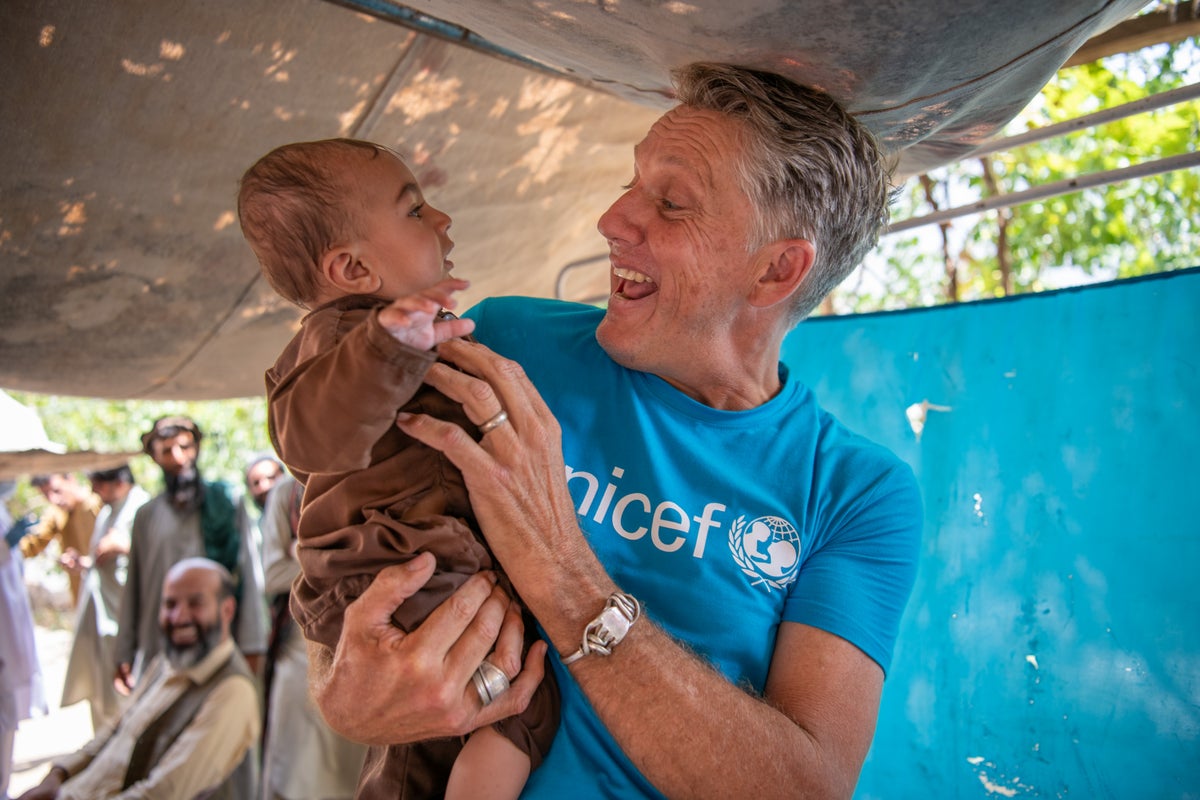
(689, 730)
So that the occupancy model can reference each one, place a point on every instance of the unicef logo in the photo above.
(767, 549)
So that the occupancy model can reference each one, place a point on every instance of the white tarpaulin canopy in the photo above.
(127, 124)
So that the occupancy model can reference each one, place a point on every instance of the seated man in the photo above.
(193, 722)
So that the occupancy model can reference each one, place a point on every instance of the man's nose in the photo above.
(617, 223)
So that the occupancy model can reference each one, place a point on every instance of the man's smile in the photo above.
(633, 285)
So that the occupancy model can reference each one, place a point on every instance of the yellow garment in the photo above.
(208, 750)
(72, 529)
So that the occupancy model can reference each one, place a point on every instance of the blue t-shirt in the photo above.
(722, 523)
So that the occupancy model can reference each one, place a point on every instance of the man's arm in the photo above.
(806, 738)
(661, 703)
(43, 533)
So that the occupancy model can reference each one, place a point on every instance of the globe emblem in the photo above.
(767, 549)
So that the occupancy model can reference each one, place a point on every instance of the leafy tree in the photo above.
(233, 431)
(1120, 230)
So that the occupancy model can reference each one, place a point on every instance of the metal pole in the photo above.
(1156, 167)
(1133, 108)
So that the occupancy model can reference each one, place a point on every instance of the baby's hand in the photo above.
(412, 319)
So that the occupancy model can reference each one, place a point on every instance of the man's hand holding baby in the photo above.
(413, 319)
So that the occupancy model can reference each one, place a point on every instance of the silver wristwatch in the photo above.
(607, 630)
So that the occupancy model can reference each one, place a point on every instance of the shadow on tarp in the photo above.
(1052, 644)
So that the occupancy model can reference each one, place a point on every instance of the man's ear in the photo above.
(344, 270)
(786, 263)
(228, 609)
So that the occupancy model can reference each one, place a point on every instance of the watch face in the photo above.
(612, 625)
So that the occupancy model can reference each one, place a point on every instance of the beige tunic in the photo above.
(224, 728)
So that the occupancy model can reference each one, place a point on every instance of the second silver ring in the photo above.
(490, 681)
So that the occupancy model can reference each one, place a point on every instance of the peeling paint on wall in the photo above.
(917, 413)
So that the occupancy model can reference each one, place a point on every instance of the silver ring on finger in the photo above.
(493, 423)
(490, 681)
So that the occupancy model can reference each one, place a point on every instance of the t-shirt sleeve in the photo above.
(856, 581)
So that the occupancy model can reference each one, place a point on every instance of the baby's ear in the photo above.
(343, 270)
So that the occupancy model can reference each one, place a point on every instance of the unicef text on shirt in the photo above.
(634, 515)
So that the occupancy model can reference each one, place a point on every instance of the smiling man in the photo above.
(720, 565)
(193, 723)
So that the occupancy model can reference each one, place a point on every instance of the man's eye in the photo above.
(668, 205)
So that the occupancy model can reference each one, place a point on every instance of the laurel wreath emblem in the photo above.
(743, 561)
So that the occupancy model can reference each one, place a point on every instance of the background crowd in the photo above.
(116, 542)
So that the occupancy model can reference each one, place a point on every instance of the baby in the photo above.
(340, 227)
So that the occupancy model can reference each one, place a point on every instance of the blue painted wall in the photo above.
(1052, 644)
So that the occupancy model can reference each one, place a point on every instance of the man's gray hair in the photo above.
(810, 169)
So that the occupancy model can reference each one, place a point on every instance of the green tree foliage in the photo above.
(234, 430)
(1120, 230)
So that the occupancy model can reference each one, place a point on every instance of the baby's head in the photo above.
(340, 217)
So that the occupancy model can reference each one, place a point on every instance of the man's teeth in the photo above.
(631, 275)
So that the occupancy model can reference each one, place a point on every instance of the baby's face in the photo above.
(404, 240)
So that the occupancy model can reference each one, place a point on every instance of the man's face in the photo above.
(175, 454)
(193, 617)
(260, 478)
(62, 491)
(403, 238)
(110, 492)
(678, 245)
